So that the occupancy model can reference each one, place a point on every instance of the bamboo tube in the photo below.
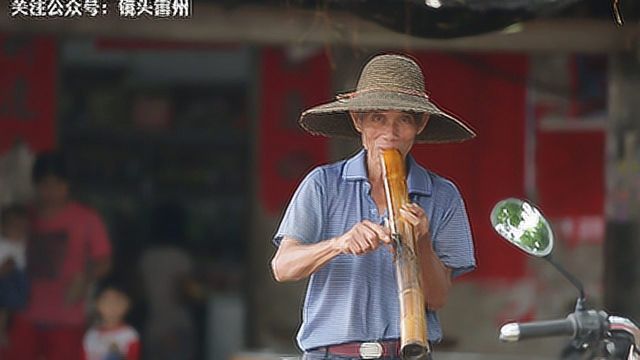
(413, 324)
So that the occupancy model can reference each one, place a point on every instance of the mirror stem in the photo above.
(572, 279)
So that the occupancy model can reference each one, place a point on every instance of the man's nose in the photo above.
(394, 127)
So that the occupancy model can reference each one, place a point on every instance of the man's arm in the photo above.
(99, 261)
(436, 277)
(295, 260)
(99, 268)
(96, 269)
(99, 247)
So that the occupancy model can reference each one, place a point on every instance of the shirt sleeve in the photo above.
(452, 239)
(85, 345)
(304, 215)
(97, 237)
(133, 352)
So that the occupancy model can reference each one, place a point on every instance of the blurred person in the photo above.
(15, 174)
(166, 268)
(68, 249)
(14, 229)
(333, 229)
(111, 338)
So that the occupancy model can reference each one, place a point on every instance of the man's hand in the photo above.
(416, 216)
(7, 266)
(77, 289)
(363, 237)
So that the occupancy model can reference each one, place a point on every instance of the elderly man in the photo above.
(333, 228)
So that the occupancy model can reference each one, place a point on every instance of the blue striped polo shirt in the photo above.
(355, 297)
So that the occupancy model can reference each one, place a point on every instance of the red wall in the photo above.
(488, 91)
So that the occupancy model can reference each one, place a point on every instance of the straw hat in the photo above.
(387, 82)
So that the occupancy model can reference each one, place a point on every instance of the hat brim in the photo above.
(332, 119)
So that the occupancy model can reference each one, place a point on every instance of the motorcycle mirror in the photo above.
(523, 225)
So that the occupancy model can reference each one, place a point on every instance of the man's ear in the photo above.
(355, 120)
(423, 122)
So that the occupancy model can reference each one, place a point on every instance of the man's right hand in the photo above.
(295, 260)
(363, 237)
(7, 266)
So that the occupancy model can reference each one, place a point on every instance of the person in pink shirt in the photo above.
(68, 250)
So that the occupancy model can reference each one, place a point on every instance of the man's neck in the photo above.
(51, 209)
(374, 170)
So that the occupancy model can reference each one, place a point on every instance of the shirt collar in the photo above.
(418, 182)
(355, 168)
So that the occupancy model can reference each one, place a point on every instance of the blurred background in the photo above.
(183, 130)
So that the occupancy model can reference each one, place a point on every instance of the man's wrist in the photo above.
(337, 245)
(427, 246)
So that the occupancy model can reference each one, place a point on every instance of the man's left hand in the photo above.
(7, 266)
(416, 216)
(76, 289)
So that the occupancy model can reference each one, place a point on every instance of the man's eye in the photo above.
(407, 119)
(377, 118)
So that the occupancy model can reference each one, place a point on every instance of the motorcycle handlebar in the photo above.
(586, 325)
(512, 332)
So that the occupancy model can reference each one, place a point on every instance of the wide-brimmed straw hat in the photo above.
(387, 82)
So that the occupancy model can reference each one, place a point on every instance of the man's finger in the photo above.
(413, 209)
(371, 239)
(357, 246)
(416, 208)
(418, 211)
(412, 218)
(380, 231)
(354, 245)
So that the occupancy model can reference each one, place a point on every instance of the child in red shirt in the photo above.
(111, 338)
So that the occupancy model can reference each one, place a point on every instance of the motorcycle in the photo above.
(595, 334)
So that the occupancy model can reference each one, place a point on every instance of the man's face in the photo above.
(52, 190)
(388, 129)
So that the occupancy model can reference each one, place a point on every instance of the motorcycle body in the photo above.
(595, 334)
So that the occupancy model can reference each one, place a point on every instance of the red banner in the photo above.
(27, 91)
(286, 153)
(570, 178)
(489, 93)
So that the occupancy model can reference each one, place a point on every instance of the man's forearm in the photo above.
(436, 277)
(295, 261)
(99, 268)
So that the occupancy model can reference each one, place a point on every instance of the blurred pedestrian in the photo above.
(166, 269)
(14, 224)
(67, 251)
